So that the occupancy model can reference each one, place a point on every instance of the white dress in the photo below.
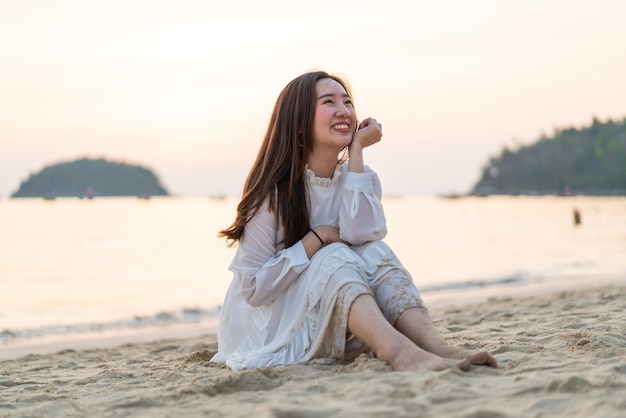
(284, 308)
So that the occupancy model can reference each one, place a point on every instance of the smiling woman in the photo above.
(312, 277)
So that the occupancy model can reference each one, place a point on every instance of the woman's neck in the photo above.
(322, 167)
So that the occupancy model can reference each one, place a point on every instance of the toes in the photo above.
(464, 365)
(483, 358)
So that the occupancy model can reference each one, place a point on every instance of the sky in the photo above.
(186, 87)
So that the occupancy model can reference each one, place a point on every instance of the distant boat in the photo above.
(48, 197)
(144, 196)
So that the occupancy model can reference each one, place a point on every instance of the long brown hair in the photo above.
(278, 172)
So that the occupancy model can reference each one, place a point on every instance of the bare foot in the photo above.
(480, 358)
(406, 356)
(417, 325)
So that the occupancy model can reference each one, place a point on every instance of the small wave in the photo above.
(164, 318)
(518, 278)
(575, 271)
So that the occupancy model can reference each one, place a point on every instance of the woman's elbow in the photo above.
(253, 300)
(251, 296)
(362, 236)
(380, 234)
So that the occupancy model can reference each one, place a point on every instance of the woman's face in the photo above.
(335, 119)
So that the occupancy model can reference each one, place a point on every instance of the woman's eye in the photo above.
(328, 101)
(348, 102)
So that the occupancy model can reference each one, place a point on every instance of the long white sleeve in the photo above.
(361, 217)
(263, 269)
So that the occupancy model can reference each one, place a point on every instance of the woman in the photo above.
(312, 278)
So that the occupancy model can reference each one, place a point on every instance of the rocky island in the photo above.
(91, 177)
(586, 161)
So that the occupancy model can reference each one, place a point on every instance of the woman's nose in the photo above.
(343, 110)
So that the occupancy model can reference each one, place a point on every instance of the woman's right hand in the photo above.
(368, 133)
(326, 233)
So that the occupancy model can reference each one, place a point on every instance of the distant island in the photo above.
(91, 177)
(587, 161)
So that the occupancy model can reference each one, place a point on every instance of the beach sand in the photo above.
(561, 355)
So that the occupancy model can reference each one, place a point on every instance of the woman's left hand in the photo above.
(368, 133)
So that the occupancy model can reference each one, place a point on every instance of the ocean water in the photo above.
(119, 265)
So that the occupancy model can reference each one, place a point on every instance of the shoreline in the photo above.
(103, 339)
(436, 301)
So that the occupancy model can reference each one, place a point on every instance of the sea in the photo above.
(78, 269)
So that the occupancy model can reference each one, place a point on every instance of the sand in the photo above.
(561, 355)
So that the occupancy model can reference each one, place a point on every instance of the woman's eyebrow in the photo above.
(332, 95)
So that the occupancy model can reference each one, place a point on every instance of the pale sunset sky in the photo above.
(186, 87)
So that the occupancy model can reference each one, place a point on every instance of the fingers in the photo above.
(369, 132)
(371, 122)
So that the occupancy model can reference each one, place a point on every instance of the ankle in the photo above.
(392, 349)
